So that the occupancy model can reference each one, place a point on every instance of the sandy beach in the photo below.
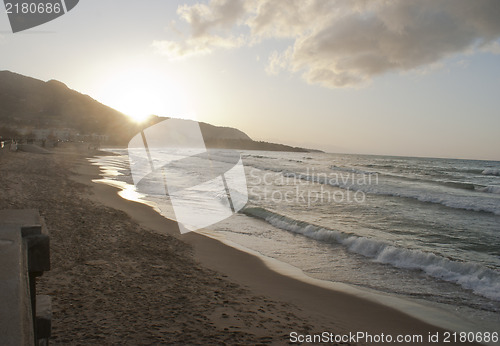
(122, 274)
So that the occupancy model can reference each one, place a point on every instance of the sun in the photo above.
(141, 92)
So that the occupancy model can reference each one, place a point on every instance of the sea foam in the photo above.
(490, 189)
(481, 280)
(491, 171)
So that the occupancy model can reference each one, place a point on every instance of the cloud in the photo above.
(493, 47)
(205, 22)
(219, 14)
(400, 36)
(279, 61)
(345, 42)
(203, 45)
(289, 19)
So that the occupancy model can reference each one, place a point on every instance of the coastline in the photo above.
(122, 273)
(321, 301)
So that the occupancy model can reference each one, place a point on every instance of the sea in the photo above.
(419, 230)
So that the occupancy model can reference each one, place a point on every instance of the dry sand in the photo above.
(122, 274)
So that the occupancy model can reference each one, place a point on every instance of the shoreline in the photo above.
(115, 281)
(437, 316)
(123, 274)
(323, 301)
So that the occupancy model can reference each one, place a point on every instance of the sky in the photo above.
(385, 77)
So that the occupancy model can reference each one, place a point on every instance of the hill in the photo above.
(28, 104)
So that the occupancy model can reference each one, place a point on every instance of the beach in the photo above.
(123, 274)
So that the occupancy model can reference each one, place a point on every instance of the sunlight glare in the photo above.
(140, 93)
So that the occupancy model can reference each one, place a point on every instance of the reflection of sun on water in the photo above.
(140, 93)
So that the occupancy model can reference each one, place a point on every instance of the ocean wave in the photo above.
(471, 203)
(481, 280)
(491, 171)
(490, 189)
(380, 166)
(458, 185)
(351, 170)
(429, 168)
(447, 183)
(260, 156)
(446, 170)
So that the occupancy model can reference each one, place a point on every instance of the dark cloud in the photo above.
(346, 43)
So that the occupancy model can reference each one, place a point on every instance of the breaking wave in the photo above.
(479, 279)
(491, 171)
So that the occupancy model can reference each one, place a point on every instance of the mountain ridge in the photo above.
(29, 103)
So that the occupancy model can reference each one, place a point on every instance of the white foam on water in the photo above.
(491, 189)
(491, 171)
(481, 280)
